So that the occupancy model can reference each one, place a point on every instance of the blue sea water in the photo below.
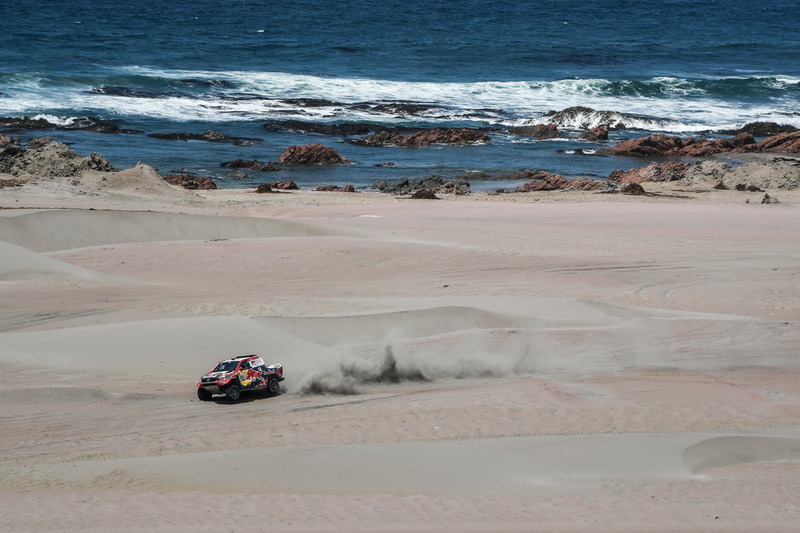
(675, 66)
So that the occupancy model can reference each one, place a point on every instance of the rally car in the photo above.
(243, 373)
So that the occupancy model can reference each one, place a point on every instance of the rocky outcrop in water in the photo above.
(344, 129)
(252, 164)
(49, 161)
(584, 118)
(209, 136)
(538, 131)
(311, 154)
(188, 181)
(663, 146)
(660, 145)
(17, 124)
(450, 136)
(761, 129)
(600, 133)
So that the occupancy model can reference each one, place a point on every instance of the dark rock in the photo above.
(97, 126)
(762, 129)
(253, 164)
(211, 84)
(309, 102)
(585, 117)
(600, 133)
(311, 154)
(336, 188)
(633, 188)
(237, 175)
(265, 188)
(423, 194)
(346, 129)
(6, 140)
(450, 136)
(538, 131)
(397, 108)
(434, 183)
(209, 136)
(285, 185)
(742, 187)
(769, 199)
(117, 90)
(12, 124)
(188, 181)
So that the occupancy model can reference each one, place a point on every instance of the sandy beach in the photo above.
(563, 361)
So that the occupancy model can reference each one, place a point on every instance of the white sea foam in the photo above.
(661, 104)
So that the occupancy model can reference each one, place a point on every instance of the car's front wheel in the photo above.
(273, 387)
(203, 394)
(233, 393)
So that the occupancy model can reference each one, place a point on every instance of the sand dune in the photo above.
(51, 230)
(18, 263)
(718, 452)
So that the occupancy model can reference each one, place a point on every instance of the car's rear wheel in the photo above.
(233, 393)
(273, 387)
(203, 394)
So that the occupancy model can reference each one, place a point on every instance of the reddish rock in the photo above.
(666, 171)
(600, 133)
(187, 181)
(542, 181)
(650, 146)
(452, 136)
(584, 184)
(336, 188)
(540, 131)
(311, 154)
(663, 146)
(783, 142)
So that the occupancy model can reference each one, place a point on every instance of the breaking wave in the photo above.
(659, 103)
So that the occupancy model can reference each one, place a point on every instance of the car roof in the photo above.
(240, 357)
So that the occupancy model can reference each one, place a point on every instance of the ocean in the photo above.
(680, 67)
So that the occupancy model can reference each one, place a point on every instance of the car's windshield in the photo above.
(226, 366)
